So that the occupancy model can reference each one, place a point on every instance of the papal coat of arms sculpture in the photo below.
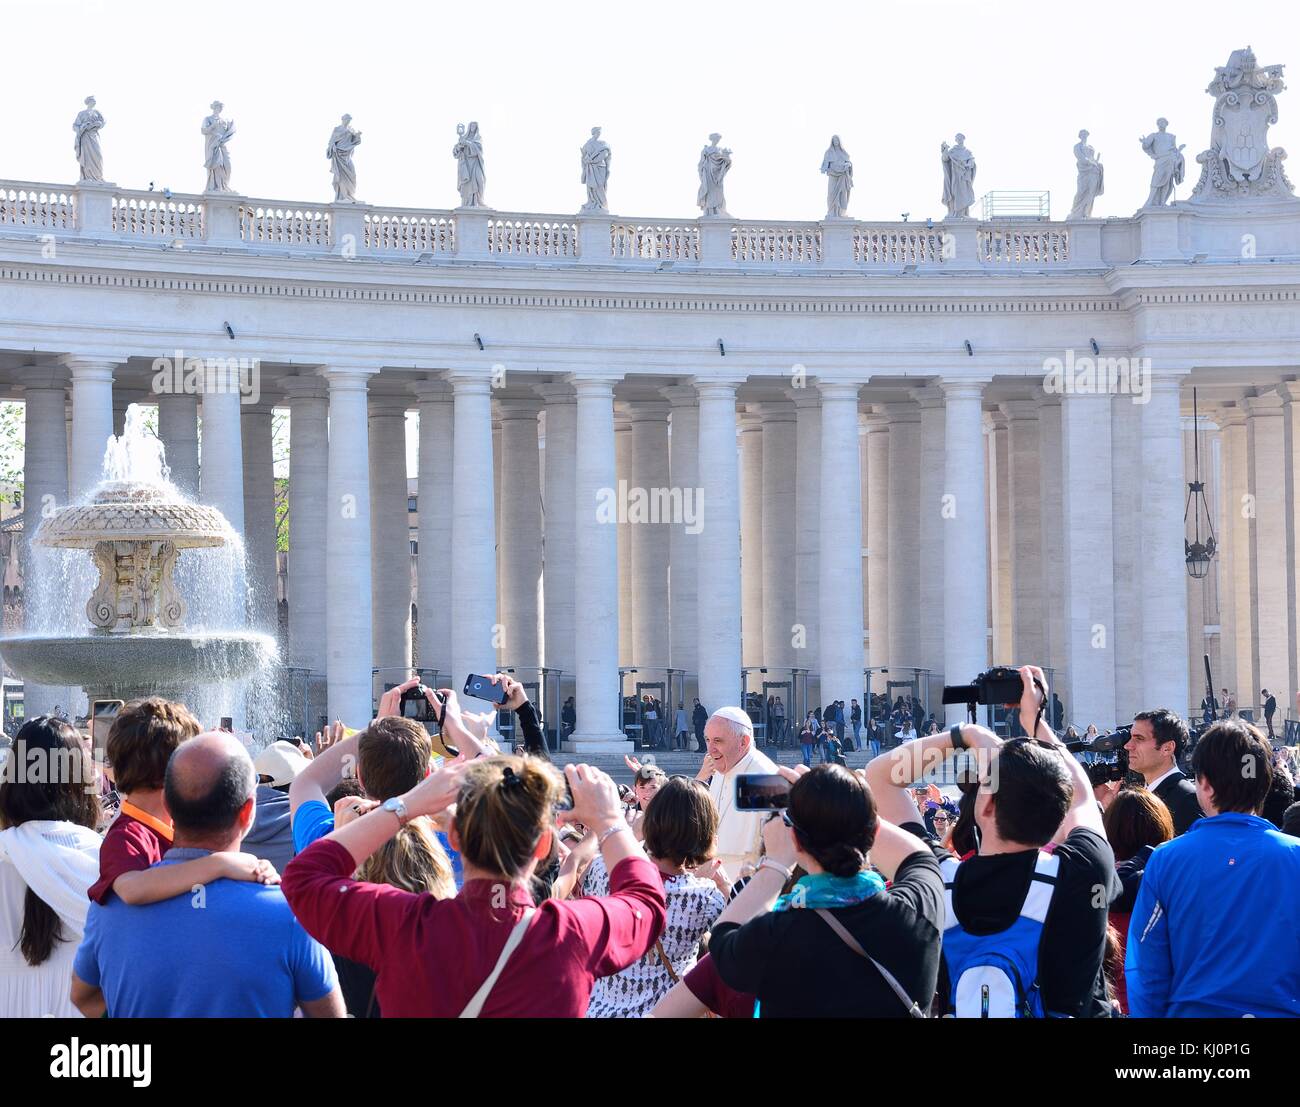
(1239, 164)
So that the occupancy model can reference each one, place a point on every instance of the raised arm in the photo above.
(167, 881)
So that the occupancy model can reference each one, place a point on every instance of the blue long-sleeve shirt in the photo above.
(1215, 932)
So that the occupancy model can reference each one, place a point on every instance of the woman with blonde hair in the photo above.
(489, 950)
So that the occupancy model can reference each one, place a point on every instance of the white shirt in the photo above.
(1162, 778)
(740, 833)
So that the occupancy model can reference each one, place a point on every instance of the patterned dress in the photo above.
(693, 906)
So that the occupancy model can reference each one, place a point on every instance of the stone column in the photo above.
(1089, 551)
(1225, 672)
(45, 487)
(930, 520)
(1290, 393)
(1049, 482)
(390, 541)
(623, 468)
(840, 571)
(596, 570)
(1239, 577)
(878, 435)
(1004, 649)
(649, 536)
(904, 532)
(309, 510)
(496, 525)
(348, 565)
(719, 579)
(178, 427)
(473, 566)
(1026, 537)
(865, 478)
(92, 420)
(521, 533)
(1127, 528)
(1267, 549)
(963, 530)
(1164, 564)
(684, 539)
(259, 516)
(807, 541)
(751, 537)
(221, 479)
(559, 584)
(434, 597)
(780, 445)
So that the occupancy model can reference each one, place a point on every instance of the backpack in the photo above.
(995, 976)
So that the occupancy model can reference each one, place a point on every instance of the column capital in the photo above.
(1167, 379)
(927, 397)
(431, 390)
(593, 384)
(1048, 399)
(466, 382)
(1019, 409)
(776, 411)
(646, 411)
(304, 386)
(347, 378)
(1268, 404)
(518, 407)
(804, 397)
(264, 406)
(717, 388)
(388, 405)
(33, 378)
(90, 366)
(680, 395)
(902, 412)
(1289, 391)
(874, 423)
(1229, 415)
(556, 393)
(964, 388)
(838, 390)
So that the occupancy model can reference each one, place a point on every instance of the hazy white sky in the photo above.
(776, 79)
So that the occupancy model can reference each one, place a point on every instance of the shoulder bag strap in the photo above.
(830, 920)
(475, 1005)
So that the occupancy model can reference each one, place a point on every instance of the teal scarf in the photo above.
(826, 890)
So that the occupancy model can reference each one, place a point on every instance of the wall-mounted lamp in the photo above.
(721, 348)
(969, 348)
(478, 340)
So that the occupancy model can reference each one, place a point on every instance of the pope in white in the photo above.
(729, 735)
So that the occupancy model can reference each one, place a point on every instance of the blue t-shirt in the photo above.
(230, 949)
(313, 820)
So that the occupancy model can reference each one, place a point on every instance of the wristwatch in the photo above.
(954, 733)
(398, 808)
(773, 863)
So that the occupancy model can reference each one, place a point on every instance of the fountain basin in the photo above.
(139, 663)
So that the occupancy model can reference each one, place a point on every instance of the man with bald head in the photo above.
(229, 949)
(729, 735)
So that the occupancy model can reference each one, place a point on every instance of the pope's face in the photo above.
(725, 747)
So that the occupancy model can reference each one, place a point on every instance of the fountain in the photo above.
(136, 524)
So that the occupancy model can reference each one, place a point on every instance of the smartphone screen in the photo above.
(482, 688)
(102, 714)
(762, 792)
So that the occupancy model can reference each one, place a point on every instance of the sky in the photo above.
(776, 79)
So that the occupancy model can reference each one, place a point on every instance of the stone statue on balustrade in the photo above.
(217, 133)
(343, 140)
(958, 178)
(87, 126)
(715, 163)
(1239, 163)
(1162, 147)
(838, 167)
(1091, 178)
(595, 171)
(470, 178)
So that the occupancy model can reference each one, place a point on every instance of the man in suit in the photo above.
(1270, 706)
(1154, 747)
(699, 717)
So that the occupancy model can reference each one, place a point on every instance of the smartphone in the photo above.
(102, 714)
(227, 723)
(482, 688)
(762, 792)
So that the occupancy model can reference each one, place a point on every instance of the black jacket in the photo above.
(1179, 795)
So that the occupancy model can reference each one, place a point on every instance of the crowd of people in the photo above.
(366, 874)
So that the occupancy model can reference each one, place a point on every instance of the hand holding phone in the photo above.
(762, 792)
(485, 688)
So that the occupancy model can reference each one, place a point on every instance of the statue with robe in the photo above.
(1091, 178)
(217, 133)
(715, 163)
(343, 140)
(595, 171)
(1162, 147)
(86, 127)
(958, 178)
(468, 152)
(838, 168)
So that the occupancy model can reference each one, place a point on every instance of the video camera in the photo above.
(1114, 764)
(999, 685)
